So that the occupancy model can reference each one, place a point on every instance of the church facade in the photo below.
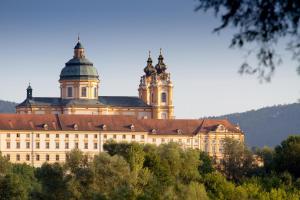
(79, 93)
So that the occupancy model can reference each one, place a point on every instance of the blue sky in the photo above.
(37, 38)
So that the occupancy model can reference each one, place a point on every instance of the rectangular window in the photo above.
(95, 146)
(162, 140)
(76, 145)
(37, 145)
(47, 145)
(105, 136)
(67, 135)
(27, 157)
(164, 115)
(86, 145)
(153, 139)
(95, 136)
(70, 91)
(57, 135)
(8, 135)
(18, 135)
(115, 136)
(18, 145)
(133, 136)
(28, 135)
(57, 157)
(47, 157)
(142, 137)
(8, 145)
(37, 157)
(83, 91)
(27, 145)
(47, 135)
(76, 135)
(86, 136)
(67, 145)
(124, 136)
(37, 135)
(18, 157)
(57, 145)
(8, 156)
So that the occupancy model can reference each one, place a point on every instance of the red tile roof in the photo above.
(111, 123)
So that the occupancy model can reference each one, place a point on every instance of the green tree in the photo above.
(287, 156)
(237, 159)
(53, 180)
(196, 191)
(112, 175)
(5, 165)
(206, 163)
(218, 187)
(12, 188)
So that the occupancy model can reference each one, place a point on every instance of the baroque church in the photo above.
(45, 129)
(79, 93)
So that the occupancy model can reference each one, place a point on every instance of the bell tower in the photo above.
(156, 89)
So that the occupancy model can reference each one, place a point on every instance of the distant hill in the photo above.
(7, 107)
(269, 125)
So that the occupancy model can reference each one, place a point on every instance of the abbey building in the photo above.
(45, 129)
(79, 93)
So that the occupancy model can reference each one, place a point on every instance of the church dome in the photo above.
(79, 67)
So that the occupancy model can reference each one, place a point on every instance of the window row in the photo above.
(115, 136)
(37, 157)
(83, 92)
(47, 145)
(37, 135)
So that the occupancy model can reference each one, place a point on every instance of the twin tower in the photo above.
(156, 89)
(79, 92)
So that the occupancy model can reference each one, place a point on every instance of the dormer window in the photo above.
(131, 127)
(179, 131)
(153, 131)
(104, 127)
(45, 126)
(221, 128)
(75, 126)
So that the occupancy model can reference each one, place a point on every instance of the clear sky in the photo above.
(37, 38)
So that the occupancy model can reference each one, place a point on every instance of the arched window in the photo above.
(152, 97)
(83, 91)
(70, 92)
(95, 92)
(164, 97)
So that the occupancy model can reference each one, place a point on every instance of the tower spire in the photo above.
(149, 69)
(29, 91)
(161, 66)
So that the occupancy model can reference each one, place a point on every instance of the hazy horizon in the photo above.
(38, 38)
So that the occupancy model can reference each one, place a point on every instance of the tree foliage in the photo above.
(259, 25)
(147, 172)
